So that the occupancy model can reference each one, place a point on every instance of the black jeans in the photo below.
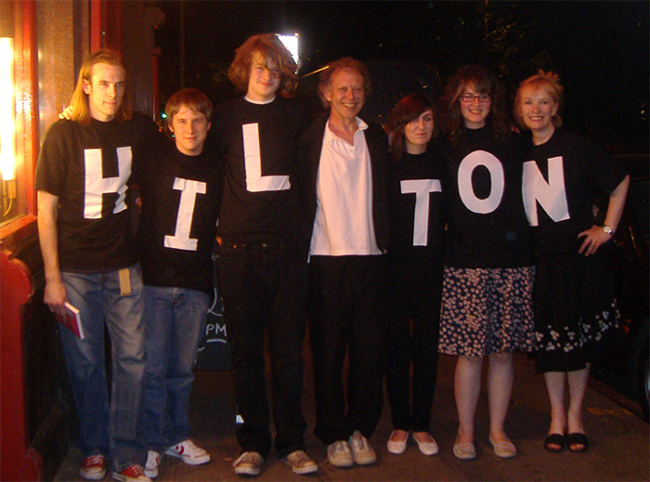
(346, 316)
(264, 291)
(412, 338)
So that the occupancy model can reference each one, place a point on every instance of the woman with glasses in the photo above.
(575, 308)
(487, 290)
(417, 243)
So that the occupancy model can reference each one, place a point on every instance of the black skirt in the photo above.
(576, 313)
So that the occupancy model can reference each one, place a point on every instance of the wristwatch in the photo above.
(608, 230)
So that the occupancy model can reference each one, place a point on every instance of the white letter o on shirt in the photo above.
(497, 181)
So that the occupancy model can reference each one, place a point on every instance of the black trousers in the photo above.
(412, 330)
(347, 295)
(264, 292)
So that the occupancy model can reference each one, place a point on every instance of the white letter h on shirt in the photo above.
(96, 185)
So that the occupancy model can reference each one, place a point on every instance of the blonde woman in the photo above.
(575, 309)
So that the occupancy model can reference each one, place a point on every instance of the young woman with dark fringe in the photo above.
(417, 243)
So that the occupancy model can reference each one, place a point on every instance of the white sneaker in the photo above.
(153, 462)
(300, 462)
(339, 454)
(189, 453)
(248, 463)
(361, 449)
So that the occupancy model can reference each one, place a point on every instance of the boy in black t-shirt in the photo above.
(180, 187)
(262, 263)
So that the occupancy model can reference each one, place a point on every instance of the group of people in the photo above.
(521, 268)
(447, 232)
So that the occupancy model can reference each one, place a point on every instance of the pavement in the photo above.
(619, 447)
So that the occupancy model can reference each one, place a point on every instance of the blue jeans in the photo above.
(101, 300)
(175, 321)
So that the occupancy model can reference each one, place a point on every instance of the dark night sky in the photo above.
(600, 49)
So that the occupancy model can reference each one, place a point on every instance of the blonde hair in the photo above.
(269, 46)
(79, 103)
(550, 83)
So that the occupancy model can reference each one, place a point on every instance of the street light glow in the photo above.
(291, 43)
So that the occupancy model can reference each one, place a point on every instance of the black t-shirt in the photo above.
(566, 208)
(417, 224)
(88, 168)
(487, 226)
(258, 145)
(180, 200)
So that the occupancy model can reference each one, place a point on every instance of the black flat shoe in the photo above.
(577, 439)
(554, 439)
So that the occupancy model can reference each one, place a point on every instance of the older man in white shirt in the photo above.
(347, 205)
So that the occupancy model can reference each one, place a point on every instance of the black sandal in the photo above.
(552, 440)
(577, 439)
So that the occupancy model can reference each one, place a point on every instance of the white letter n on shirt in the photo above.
(96, 184)
(551, 195)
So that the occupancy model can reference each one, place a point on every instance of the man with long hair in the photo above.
(90, 262)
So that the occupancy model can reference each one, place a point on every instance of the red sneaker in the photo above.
(133, 473)
(93, 467)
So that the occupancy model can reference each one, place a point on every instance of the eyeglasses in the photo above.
(470, 98)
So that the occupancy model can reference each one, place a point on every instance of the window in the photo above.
(17, 198)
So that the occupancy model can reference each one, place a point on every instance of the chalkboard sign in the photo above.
(214, 349)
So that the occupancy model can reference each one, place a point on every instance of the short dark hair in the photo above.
(408, 108)
(346, 63)
(194, 99)
(269, 46)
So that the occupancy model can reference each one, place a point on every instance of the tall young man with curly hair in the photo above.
(262, 261)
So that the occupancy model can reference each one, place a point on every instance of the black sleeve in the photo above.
(51, 167)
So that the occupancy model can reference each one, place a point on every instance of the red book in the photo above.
(72, 320)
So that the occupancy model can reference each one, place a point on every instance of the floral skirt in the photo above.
(487, 310)
(576, 314)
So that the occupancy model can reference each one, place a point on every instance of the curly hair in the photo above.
(407, 109)
(550, 83)
(484, 82)
(269, 46)
(79, 103)
(346, 63)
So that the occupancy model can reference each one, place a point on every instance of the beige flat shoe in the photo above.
(427, 448)
(464, 451)
(396, 447)
(505, 450)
